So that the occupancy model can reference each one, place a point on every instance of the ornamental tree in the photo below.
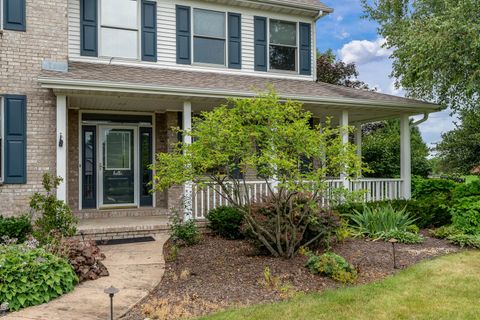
(273, 141)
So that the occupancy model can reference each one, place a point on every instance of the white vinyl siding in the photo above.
(166, 33)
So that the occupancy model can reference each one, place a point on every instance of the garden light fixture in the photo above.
(393, 241)
(111, 291)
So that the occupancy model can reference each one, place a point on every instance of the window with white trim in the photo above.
(209, 37)
(283, 45)
(119, 28)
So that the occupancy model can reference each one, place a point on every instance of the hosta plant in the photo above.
(31, 276)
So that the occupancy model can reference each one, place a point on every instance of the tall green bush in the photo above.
(55, 215)
(226, 222)
(15, 228)
(31, 276)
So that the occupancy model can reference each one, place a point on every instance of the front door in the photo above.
(117, 166)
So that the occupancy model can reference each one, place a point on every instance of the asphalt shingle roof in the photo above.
(222, 82)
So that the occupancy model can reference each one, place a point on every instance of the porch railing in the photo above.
(211, 196)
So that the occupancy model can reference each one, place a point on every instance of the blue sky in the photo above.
(354, 39)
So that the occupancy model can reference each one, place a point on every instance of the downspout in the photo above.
(416, 123)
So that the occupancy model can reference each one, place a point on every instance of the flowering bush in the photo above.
(30, 275)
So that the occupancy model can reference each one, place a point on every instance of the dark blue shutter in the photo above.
(14, 15)
(149, 31)
(15, 139)
(305, 49)
(183, 35)
(88, 28)
(234, 41)
(260, 40)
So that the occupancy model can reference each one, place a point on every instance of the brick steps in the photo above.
(116, 213)
(122, 227)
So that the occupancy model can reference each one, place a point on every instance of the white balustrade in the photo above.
(210, 195)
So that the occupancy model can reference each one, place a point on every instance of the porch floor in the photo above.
(122, 227)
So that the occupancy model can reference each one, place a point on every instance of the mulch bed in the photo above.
(219, 273)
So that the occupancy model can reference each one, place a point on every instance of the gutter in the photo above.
(416, 123)
(85, 85)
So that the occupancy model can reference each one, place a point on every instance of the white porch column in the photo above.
(405, 156)
(358, 139)
(62, 146)
(187, 191)
(343, 125)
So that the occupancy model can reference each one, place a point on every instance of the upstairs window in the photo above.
(209, 37)
(119, 28)
(283, 45)
(12, 15)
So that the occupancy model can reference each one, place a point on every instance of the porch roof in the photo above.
(117, 78)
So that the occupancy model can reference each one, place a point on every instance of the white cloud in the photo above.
(343, 35)
(339, 18)
(364, 51)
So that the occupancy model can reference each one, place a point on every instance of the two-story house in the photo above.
(90, 90)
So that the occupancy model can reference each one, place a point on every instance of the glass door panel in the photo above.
(118, 168)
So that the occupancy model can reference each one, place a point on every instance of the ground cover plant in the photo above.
(274, 140)
(331, 265)
(31, 276)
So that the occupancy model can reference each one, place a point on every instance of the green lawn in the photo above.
(443, 288)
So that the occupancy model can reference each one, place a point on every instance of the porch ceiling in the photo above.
(120, 87)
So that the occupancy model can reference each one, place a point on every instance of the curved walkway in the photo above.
(134, 268)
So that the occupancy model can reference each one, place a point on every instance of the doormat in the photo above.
(124, 241)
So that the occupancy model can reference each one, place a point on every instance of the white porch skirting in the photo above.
(210, 196)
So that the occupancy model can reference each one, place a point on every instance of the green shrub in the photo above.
(413, 229)
(404, 237)
(186, 231)
(465, 240)
(466, 214)
(431, 211)
(377, 221)
(31, 276)
(226, 222)
(444, 232)
(426, 187)
(332, 265)
(464, 190)
(15, 228)
(55, 215)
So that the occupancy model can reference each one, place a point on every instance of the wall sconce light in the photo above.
(60, 141)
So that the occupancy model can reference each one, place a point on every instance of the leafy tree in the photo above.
(459, 150)
(271, 139)
(334, 71)
(436, 47)
(381, 150)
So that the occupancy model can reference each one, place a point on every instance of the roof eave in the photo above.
(105, 86)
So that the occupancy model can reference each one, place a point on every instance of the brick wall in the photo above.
(21, 55)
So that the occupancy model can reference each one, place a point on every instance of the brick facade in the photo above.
(21, 55)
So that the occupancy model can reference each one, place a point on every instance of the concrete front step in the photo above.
(115, 213)
(122, 227)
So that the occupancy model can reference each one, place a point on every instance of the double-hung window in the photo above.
(119, 28)
(283, 45)
(209, 36)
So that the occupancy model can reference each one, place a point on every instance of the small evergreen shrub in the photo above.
(464, 190)
(376, 222)
(226, 222)
(333, 266)
(404, 237)
(422, 187)
(15, 228)
(55, 215)
(186, 231)
(31, 276)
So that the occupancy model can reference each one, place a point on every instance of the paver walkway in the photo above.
(134, 268)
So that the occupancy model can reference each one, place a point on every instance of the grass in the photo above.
(444, 288)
